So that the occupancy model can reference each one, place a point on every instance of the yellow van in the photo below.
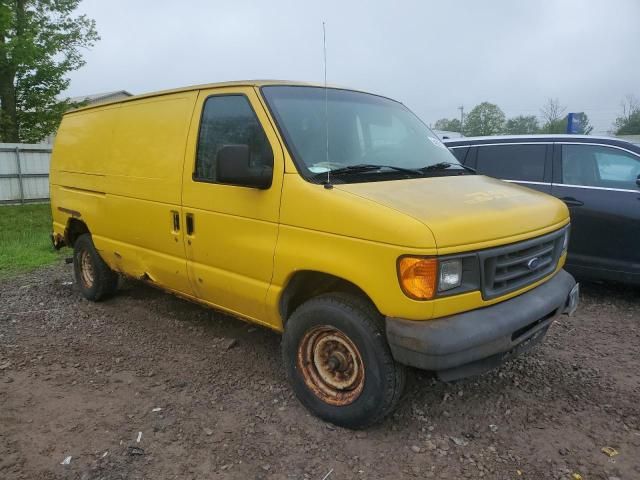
(333, 216)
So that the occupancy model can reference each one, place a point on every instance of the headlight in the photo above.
(450, 274)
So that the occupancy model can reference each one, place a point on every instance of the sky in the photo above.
(432, 56)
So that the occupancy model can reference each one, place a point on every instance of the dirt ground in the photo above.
(146, 385)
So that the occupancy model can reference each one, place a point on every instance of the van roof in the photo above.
(244, 83)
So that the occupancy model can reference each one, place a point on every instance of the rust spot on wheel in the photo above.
(331, 365)
(86, 269)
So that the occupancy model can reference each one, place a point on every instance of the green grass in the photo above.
(24, 238)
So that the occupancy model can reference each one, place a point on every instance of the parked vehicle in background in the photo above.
(333, 216)
(597, 177)
(445, 134)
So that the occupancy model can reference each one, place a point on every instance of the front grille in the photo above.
(509, 268)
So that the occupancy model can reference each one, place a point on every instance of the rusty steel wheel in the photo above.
(86, 269)
(337, 359)
(94, 278)
(331, 365)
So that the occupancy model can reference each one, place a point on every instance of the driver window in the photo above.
(229, 120)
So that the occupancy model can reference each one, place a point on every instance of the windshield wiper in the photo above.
(369, 167)
(444, 166)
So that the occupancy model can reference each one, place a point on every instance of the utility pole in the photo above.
(461, 108)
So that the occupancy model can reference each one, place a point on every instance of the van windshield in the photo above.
(370, 138)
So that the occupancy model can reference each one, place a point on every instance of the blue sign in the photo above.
(575, 123)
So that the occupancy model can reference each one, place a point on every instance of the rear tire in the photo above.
(92, 275)
(338, 362)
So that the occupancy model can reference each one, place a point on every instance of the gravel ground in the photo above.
(146, 385)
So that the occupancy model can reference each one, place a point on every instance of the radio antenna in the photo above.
(326, 105)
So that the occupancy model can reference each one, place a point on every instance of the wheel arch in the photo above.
(306, 284)
(75, 227)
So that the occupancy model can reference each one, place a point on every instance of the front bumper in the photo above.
(473, 342)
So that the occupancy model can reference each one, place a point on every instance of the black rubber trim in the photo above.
(467, 337)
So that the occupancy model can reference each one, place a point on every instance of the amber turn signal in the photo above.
(417, 277)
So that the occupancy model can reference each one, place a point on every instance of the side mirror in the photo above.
(638, 181)
(233, 166)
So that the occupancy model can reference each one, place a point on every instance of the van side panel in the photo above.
(126, 183)
(148, 148)
(83, 142)
(80, 154)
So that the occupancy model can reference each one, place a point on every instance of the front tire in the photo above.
(92, 275)
(338, 361)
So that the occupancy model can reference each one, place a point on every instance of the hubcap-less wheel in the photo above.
(86, 269)
(95, 280)
(331, 365)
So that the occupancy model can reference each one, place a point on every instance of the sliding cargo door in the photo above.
(141, 231)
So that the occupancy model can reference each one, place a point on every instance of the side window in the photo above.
(513, 162)
(460, 153)
(229, 120)
(598, 166)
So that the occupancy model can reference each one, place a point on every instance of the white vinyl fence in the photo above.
(24, 172)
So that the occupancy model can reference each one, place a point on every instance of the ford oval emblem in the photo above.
(533, 264)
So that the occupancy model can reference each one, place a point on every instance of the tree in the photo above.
(629, 125)
(552, 111)
(552, 116)
(629, 122)
(40, 42)
(556, 126)
(522, 125)
(484, 119)
(450, 125)
(630, 104)
(560, 125)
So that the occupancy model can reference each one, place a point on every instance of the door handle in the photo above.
(189, 222)
(572, 202)
(175, 216)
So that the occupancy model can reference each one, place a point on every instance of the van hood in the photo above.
(470, 211)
